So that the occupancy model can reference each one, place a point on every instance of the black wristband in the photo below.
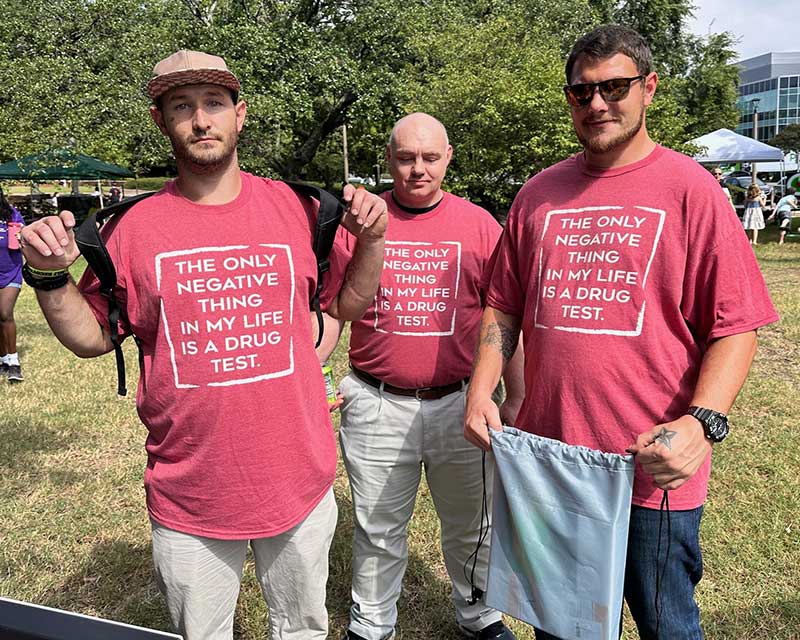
(44, 283)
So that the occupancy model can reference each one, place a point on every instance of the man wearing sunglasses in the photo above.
(639, 299)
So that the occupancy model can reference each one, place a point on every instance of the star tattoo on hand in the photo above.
(665, 437)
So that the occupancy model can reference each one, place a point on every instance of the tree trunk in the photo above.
(291, 167)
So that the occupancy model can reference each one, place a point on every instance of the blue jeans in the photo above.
(682, 570)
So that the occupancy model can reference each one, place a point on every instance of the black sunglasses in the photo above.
(613, 90)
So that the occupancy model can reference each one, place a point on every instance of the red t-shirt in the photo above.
(240, 442)
(422, 328)
(621, 278)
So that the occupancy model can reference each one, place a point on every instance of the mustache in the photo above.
(205, 135)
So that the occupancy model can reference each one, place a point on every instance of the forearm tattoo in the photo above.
(501, 337)
(665, 437)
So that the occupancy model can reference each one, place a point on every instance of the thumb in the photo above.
(645, 439)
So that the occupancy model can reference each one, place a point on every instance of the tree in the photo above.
(708, 90)
(73, 71)
(308, 67)
(698, 89)
(496, 84)
(491, 70)
(788, 139)
(663, 24)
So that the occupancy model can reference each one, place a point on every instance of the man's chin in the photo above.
(205, 168)
(206, 164)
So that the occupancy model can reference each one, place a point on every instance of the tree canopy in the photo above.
(788, 139)
(73, 72)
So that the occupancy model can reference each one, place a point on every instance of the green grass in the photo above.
(75, 533)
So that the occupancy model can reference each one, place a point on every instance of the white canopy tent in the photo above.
(723, 146)
(790, 164)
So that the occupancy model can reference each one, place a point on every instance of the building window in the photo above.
(793, 81)
(784, 82)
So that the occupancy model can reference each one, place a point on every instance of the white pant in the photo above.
(200, 578)
(386, 439)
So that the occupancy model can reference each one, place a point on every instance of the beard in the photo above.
(599, 144)
(204, 161)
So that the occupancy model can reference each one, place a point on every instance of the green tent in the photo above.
(61, 164)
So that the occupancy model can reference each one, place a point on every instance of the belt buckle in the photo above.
(422, 390)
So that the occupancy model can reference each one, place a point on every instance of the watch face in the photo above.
(717, 427)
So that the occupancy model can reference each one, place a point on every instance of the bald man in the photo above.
(403, 410)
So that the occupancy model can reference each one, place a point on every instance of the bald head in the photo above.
(418, 154)
(418, 121)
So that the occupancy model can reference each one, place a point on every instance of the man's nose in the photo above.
(418, 168)
(200, 119)
(597, 103)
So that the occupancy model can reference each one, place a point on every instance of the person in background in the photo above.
(10, 284)
(114, 195)
(717, 173)
(783, 213)
(753, 218)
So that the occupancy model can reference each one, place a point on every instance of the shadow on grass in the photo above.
(116, 582)
(22, 441)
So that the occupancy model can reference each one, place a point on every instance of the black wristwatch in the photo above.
(714, 423)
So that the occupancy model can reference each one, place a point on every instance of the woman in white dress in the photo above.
(753, 216)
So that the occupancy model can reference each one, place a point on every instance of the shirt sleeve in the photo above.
(492, 236)
(339, 258)
(505, 291)
(724, 291)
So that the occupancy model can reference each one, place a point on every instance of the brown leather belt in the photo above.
(425, 393)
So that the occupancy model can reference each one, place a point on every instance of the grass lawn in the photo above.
(75, 534)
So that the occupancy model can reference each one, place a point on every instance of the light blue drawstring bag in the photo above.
(559, 535)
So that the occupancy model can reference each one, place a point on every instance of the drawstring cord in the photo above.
(659, 574)
(476, 593)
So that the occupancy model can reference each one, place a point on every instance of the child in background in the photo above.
(753, 216)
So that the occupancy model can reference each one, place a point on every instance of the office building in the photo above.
(769, 84)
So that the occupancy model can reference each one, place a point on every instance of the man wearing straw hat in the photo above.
(214, 275)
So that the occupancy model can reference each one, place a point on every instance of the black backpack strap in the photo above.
(93, 249)
(328, 219)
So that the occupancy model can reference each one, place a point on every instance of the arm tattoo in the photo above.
(501, 337)
(665, 437)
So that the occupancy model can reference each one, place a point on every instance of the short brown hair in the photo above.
(607, 40)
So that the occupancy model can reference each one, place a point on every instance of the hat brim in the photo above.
(163, 83)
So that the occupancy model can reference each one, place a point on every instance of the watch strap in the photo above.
(710, 419)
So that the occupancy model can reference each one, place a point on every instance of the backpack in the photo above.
(93, 249)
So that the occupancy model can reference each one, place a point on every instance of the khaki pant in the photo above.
(386, 441)
(199, 578)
